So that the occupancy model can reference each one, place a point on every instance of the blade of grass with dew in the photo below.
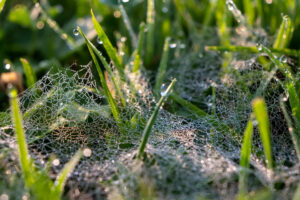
(289, 83)
(284, 34)
(111, 51)
(61, 179)
(106, 66)
(249, 49)
(221, 17)
(2, 2)
(29, 73)
(294, 136)
(112, 103)
(24, 156)
(245, 160)
(261, 115)
(128, 25)
(138, 52)
(152, 119)
(150, 31)
(162, 68)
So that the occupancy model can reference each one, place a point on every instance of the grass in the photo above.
(150, 123)
(187, 22)
(36, 180)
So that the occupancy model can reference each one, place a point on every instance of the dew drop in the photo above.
(283, 59)
(173, 45)
(87, 152)
(61, 104)
(284, 98)
(125, 1)
(165, 9)
(76, 31)
(259, 46)
(163, 90)
(55, 162)
(7, 66)
(99, 41)
(255, 123)
(230, 5)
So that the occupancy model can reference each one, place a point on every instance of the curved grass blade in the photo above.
(29, 73)
(111, 51)
(112, 103)
(162, 68)
(138, 53)
(294, 136)
(261, 115)
(24, 156)
(61, 179)
(2, 2)
(106, 66)
(284, 34)
(151, 121)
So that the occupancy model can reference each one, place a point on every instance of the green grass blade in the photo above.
(294, 136)
(221, 17)
(128, 26)
(2, 2)
(21, 140)
(29, 72)
(297, 193)
(106, 66)
(261, 115)
(246, 148)
(63, 175)
(150, 32)
(138, 53)
(245, 159)
(111, 51)
(112, 103)
(249, 11)
(162, 68)
(151, 121)
(248, 49)
(284, 34)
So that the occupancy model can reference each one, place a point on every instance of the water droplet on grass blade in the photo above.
(173, 45)
(99, 41)
(163, 90)
(259, 47)
(7, 66)
(125, 1)
(283, 59)
(76, 31)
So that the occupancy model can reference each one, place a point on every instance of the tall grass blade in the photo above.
(261, 115)
(249, 11)
(2, 2)
(152, 119)
(112, 103)
(111, 51)
(284, 34)
(61, 179)
(294, 136)
(29, 73)
(245, 159)
(106, 66)
(162, 68)
(128, 26)
(150, 31)
(138, 52)
(221, 20)
(24, 157)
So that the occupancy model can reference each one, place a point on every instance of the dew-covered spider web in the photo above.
(187, 156)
